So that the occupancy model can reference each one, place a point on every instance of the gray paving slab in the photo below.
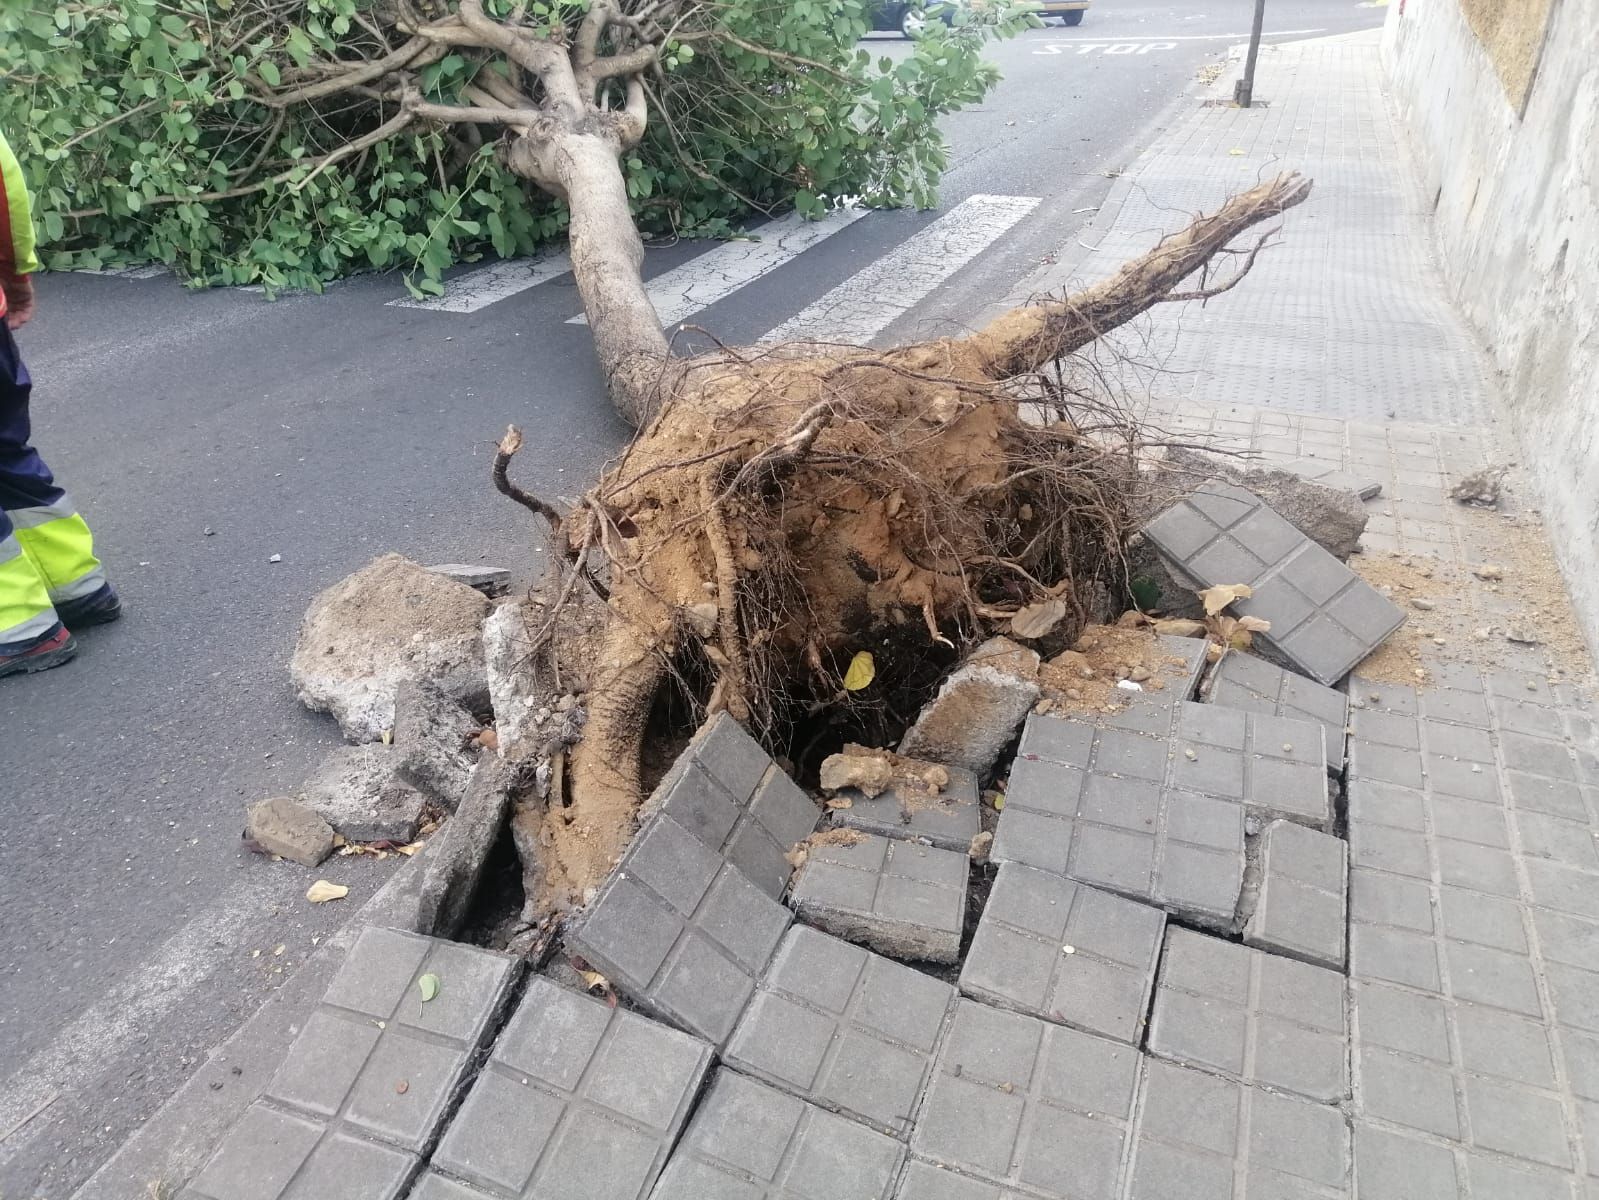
(1302, 909)
(905, 899)
(1028, 1105)
(750, 1141)
(844, 1028)
(1251, 1016)
(728, 792)
(1199, 1136)
(1053, 948)
(271, 1154)
(1243, 681)
(926, 1181)
(1327, 473)
(377, 1060)
(949, 819)
(1324, 618)
(578, 1099)
(680, 931)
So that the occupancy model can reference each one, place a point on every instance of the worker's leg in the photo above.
(52, 536)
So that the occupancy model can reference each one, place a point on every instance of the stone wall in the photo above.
(1516, 207)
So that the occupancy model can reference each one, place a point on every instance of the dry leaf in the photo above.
(1254, 624)
(1132, 619)
(322, 891)
(796, 857)
(408, 849)
(388, 737)
(428, 985)
(1180, 627)
(1035, 620)
(862, 670)
(1219, 597)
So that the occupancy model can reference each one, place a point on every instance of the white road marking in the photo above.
(499, 280)
(719, 272)
(861, 307)
(148, 271)
(1162, 43)
(128, 1013)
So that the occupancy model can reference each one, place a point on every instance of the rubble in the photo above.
(491, 581)
(978, 708)
(432, 732)
(389, 621)
(1481, 488)
(869, 774)
(357, 791)
(285, 827)
(519, 704)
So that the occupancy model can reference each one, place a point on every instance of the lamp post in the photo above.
(1244, 89)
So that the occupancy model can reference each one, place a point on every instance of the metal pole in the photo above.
(1244, 89)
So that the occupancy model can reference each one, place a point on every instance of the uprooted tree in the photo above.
(782, 509)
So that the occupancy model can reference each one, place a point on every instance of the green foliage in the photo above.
(142, 127)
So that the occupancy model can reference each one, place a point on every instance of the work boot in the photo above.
(54, 651)
(97, 608)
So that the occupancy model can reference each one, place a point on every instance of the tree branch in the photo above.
(509, 445)
(366, 72)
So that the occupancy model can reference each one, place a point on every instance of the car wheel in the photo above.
(913, 23)
(1072, 18)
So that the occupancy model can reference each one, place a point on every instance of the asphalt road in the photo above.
(204, 433)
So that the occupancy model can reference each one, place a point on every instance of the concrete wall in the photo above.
(1517, 226)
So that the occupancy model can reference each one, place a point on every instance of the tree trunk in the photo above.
(607, 258)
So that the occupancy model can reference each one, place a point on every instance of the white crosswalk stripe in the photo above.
(499, 280)
(719, 272)
(866, 303)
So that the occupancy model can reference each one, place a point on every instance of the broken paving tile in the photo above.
(290, 830)
(1202, 1137)
(949, 818)
(748, 1141)
(844, 1028)
(726, 791)
(1066, 952)
(1251, 1016)
(1324, 618)
(373, 1032)
(1302, 910)
(977, 709)
(679, 930)
(1243, 681)
(275, 1155)
(1022, 1103)
(432, 734)
(1319, 470)
(491, 581)
(904, 899)
(357, 791)
(579, 1098)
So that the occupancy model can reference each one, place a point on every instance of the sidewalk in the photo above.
(1118, 1054)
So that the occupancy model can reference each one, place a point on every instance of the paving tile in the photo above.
(270, 1154)
(1398, 1018)
(1061, 950)
(678, 930)
(927, 1181)
(372, 1031)
(904, 899)
(1250, 1015)
(577, 1099)
(749, 1141)
(1026, 1104)
(1327, 473)
(1302, 910)
(726, 791)
(949, 819)
(1393, 1166)
(1253, 684)
(1202, 1137)
(844, 1028)
(1324, 617)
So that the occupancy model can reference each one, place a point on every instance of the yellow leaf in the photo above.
(408, 849)
(862, 670)
(1236, 152)
(428, 985)
(593, 979)
(1219, 597)
(999, 802)
(322, 891)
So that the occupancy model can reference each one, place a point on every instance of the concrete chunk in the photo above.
(904, 899)
(1066, 952)
(978, 709)
(291, 830)
(844, 1028)
(431, 732)
(356, 790)
(1302, 911)
(1324, 618)
(389, 621)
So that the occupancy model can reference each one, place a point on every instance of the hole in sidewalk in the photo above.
(495, 915)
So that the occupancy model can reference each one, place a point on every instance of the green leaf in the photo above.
(269, 72)
(428, 985)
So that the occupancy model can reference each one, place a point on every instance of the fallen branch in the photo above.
(509, 445)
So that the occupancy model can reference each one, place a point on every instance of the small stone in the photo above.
(1288, 747)
(1437, 641)
(1139, 674)
(1489, 571)
(1086, 672)
(980, 846)
(1522, 636)
(287, 828)
(1422, 605)
(276, 558)
(1189, 754)
(1074, 694)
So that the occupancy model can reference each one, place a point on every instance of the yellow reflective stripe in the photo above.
(14, 196)
(25, 609)
(62, 552)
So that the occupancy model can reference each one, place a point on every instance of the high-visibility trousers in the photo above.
(46, 550)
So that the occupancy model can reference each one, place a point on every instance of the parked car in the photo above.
(908, 17)
(1070, 12)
